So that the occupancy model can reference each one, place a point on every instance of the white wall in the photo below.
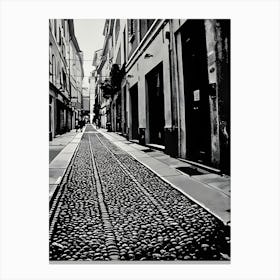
(158, 48)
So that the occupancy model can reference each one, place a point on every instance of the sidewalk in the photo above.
(59, 142)
(209, 190)
(61, 150)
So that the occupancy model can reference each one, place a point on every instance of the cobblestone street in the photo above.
(111, 207)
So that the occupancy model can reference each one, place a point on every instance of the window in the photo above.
(63, 49)
(131, 29)
(50, 60)
(55, 29)
(117, 30)
(58, 73)
(59, 39)
(64, 79)
(63, 27)
(145, 25)
(53, 69)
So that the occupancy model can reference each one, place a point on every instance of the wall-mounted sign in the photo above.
(196, 95)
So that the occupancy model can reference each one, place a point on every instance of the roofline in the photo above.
(75, 42)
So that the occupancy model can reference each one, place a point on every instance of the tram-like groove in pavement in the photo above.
(111, 207)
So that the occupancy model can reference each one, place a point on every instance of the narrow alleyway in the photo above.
(111, 207)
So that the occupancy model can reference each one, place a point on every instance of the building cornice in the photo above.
(75, 42)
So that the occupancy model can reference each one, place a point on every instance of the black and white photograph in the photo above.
(139, 140)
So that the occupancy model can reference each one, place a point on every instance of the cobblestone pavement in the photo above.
(111, 207)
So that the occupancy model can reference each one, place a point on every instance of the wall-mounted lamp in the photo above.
(148, 55)
(129, 76)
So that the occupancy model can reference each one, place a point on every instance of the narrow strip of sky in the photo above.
(90, 38)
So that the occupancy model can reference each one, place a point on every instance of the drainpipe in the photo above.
(70, 88)
(174, 129)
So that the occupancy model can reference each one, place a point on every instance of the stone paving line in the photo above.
(141, 218)
(200, 188)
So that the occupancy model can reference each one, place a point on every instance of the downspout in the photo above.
(174, 123)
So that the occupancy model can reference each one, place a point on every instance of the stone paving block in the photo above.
(60, 163)
(76, 140)
(161, 157)
(159, 167)
(215, 181)
(137, 153)
(155, 154)
(126, 148)
(55, 175)
(70, 148)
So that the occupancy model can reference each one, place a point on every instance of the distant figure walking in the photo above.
(97, 123)
(77, 125)
(81, 124)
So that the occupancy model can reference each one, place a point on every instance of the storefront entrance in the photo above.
(197, 114)
(134, 112)
(156, 105)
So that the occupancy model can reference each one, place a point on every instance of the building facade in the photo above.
(92, 86)
(169, 86)
(201, 75)
(65, 76)
(76, 74)
(103, 62)
(85, 104)
(95, 83)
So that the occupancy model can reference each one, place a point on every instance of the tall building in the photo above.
(65, 76)
(85, 103)
(95, 83)
(103, 64)
(76, 74)
(92, 86)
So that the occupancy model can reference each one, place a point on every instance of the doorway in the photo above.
(197, 112)
(134, 112)
(156, 105)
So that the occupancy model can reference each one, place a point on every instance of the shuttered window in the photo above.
(131, 29)
(117, 30)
